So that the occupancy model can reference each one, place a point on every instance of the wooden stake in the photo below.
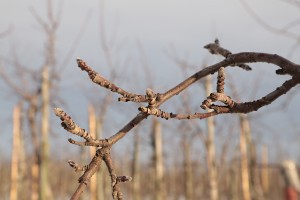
(244, 157)
(15, 154)
(92, 130)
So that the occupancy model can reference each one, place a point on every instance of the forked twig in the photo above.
(155, 100)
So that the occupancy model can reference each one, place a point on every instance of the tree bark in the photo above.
(23, 180)
(188, 171)
(100, 174)
(15, 156)
(265, 170)
(45, 191)
(244, 157)
(158, 160)
(92, 131)
(136, 168)
(210, 149)
(35, 166)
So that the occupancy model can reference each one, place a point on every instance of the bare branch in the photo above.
(155, 100)
(77, 167)
(221, 79)
(215, 48)
(159, 113)
(38, 18)
(76, 42)
(6, 32)
(282, 31)
(69, 125)
(101, 81)
(293, 2)
(91, 169)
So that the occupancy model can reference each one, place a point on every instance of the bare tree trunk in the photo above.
(244, 157)
(158, 160)
(173, 180)
(188, 172)
(255, 184)
(32, 112)
(100, 174)
(48, 70)
(292, 183)
(210, 149)
(23, 180)
(265, 170)
(233, 180)
(14, 186)
(136, 168)
(45, 192)
(92, 130)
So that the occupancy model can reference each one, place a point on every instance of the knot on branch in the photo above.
(151, 97)
(221, 80)
(155, 111)
(117, 194)
(219, 95)
(154, 100)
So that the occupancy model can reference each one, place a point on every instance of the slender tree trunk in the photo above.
(158, 160)
(23, 180)
(244, 158)
(32, 112)
(136, 168)
(210, 150)
(265, 170)
(45, 192)
(100, 174)
(173, 179)
(255, 184)
(92, 130)
(188, 172)
(14, 186)
(233, 181)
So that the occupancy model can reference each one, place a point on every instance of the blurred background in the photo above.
(138, 45)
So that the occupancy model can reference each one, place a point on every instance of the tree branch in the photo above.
(155, 100)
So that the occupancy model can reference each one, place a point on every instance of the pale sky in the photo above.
(157, 25)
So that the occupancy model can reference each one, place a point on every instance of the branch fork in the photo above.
(155, 100)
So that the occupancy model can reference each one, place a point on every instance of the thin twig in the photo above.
(155, 100)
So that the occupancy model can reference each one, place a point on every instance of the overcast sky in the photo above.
(158, 25)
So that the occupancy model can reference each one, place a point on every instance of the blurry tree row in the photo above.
(198, 164)
(184, 175)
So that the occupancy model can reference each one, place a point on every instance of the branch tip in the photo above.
(124, 178)
(57, 111)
